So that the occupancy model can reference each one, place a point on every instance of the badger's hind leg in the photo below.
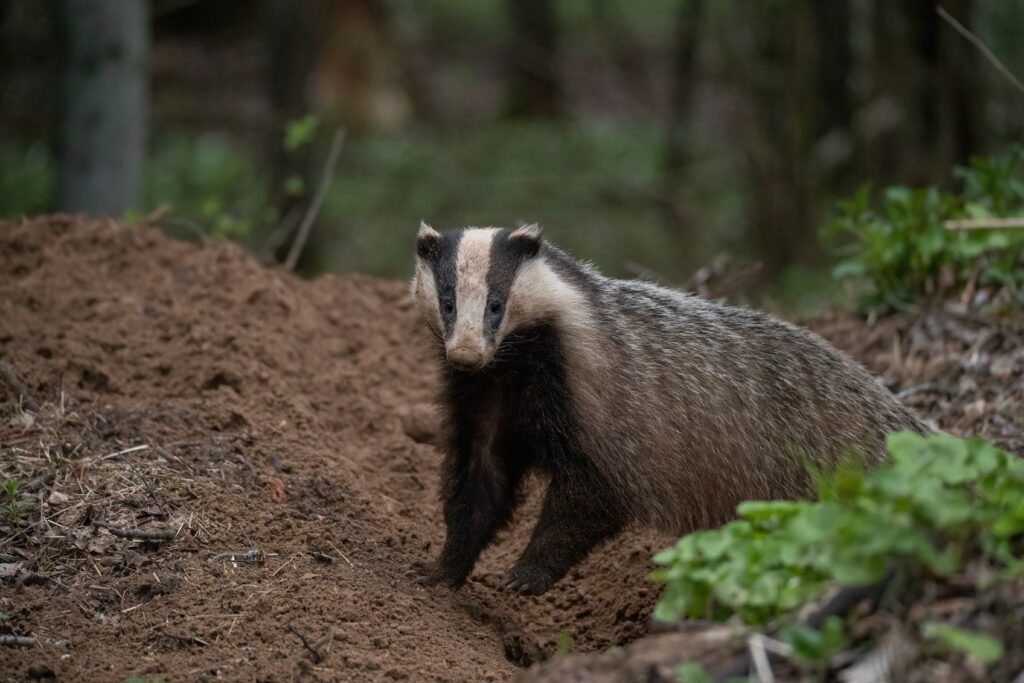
(580, 510)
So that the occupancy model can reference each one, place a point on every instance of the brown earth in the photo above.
(187, 388)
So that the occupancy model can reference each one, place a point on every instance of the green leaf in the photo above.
(765, 510)
(852, 267)
(664, 556)
(300, 132)
(813, 645)
(980, 646)
(692, 673)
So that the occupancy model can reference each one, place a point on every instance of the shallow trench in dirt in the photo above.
(187, 387)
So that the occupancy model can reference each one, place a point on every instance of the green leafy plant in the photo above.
(980, 646)
(900, 249)
(11, 506)
(937, 503)
(813, 645)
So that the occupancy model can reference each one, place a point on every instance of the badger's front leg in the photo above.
(580, 510)
(479, 485)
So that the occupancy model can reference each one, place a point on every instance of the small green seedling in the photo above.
(11, 507)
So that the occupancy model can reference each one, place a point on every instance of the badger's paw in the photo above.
(431, 574)
(527, 580)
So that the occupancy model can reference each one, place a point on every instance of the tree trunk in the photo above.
(961, 101)
(535, 88)
(781, 96)
(831, 129)
(104, 104)
(682, 91)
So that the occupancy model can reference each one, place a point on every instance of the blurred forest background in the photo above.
(649, 137)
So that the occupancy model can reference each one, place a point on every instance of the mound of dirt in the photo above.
(187, 388)
(272, 438)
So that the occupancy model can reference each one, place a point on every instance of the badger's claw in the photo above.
(526, 580)
(429, 574)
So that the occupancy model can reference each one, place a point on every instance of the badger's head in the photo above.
(467, 287)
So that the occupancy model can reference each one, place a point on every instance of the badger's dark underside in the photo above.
(502, 423)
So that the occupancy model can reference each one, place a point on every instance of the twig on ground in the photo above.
(171, 456)
(149, 489)
(278, 570)
(924, 389)
(839, 606)
(141, 534)
(318, 199)
(984, 224)
(317, 657)
(976, 41)
(18, 641)
(253, 556)
(126, 451)
(156, 215)
(11, 377)
(759, 656)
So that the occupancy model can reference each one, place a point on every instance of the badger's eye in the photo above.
(448, 307)
(495, 307)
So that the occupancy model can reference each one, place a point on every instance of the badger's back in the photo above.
(691, 407)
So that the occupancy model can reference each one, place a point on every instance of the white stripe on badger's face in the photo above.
(424, 294)
(468, 346)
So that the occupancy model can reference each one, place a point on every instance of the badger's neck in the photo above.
(560, 292)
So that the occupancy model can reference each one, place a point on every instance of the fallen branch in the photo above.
(984, 224)
(318, 199)
(317, 657)
(18, 641)
(135, 534)
(976, 41)
(9, 376)
(839, 606)
(253, 556)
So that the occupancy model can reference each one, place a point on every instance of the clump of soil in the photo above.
(187, 388)
(279, 432)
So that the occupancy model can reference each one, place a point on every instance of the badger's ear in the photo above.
(528, 238)
(427, 240)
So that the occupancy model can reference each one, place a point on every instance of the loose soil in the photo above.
(187, 388)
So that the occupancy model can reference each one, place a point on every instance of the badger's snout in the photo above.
(466, 357)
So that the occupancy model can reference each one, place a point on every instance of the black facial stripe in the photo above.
(506, 257)
(443, 263)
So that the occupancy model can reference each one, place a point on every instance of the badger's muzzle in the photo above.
(464, 357)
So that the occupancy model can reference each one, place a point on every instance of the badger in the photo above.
(640, 404)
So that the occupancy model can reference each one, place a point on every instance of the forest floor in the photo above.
(278, 432)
